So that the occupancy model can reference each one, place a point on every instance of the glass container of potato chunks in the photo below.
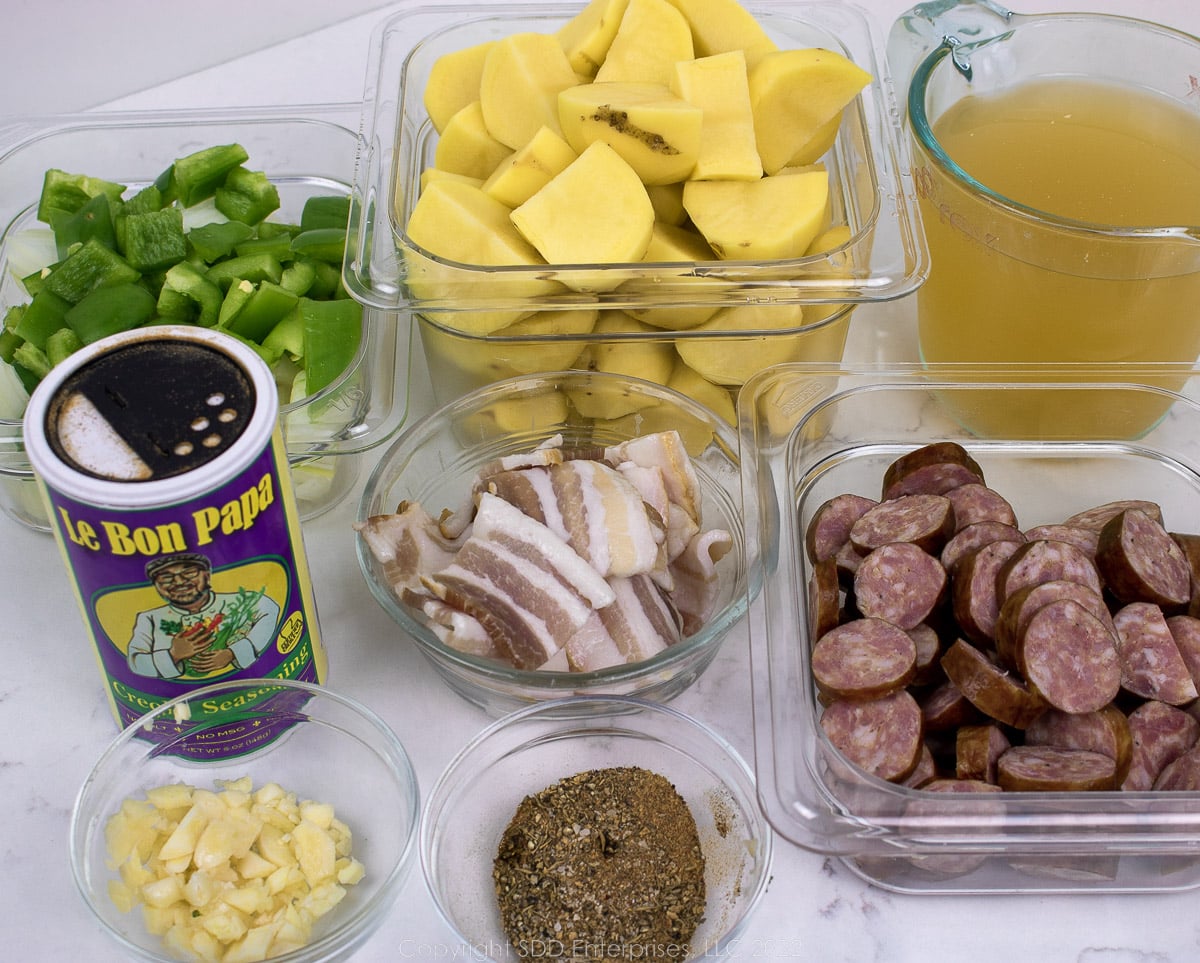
(629, 188)
(954, 762)
(217, 843)
(305, 152)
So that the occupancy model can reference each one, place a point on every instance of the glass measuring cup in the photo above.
(1080, 291)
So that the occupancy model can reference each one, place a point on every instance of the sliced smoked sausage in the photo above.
(863, 659)
(1141, 562)
(901, 583)
(882, 736)
(1054, 769)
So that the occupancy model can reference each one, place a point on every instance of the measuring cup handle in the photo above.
(929, 26)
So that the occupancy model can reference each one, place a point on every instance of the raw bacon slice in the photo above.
(593, 508)
(642, 621)
(666, 451)
(526, 586)
(694, 575)
(407, 545)
(549, 452)
(456, 629)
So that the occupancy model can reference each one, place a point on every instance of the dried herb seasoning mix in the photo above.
(603, 864)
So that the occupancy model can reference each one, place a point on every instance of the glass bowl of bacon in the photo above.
(534, 553)
(976, 653)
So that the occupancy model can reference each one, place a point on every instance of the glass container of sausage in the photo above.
(1052, 444)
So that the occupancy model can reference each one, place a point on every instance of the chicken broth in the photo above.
(1010, 285)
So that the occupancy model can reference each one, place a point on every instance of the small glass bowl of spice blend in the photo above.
(596, 828)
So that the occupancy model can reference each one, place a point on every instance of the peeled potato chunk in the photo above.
(466, 147)
(718, 86)
(732, 361)
(456, 221)
(518, 90)
(454, 82)
(652, 36)
(670, 243)
(526, 171)
(795, 94)
(652, 360)
(657, 133)
(500, 357)
(587, 36)
(722, 25)
(608, 219)
(775, 217)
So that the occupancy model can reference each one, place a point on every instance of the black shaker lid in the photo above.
(149, 410)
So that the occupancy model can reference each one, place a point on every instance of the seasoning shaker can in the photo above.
(161, 460)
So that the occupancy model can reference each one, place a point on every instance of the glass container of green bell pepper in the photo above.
(129, 257)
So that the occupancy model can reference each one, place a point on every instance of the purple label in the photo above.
(181, 596)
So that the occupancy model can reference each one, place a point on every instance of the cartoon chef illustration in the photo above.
(198, 631)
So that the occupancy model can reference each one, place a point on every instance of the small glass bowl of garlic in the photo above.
(247, 820)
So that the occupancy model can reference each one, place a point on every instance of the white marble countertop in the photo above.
(52, 710)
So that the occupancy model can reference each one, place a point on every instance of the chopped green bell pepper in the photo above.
(61, 345)
(198, 175)
(155, 240)
(326, 244)
(43, 315)
(288, 335)
(332, 331)
(9, 342)
(69, 192)
(186, 280)
(215, 241)
(236, 298)
(148, 199)
(247, 196)
(278, 247)
(268, 305)
(251, 267)
(277, 229)
(119, 307)
(94, 219)
(328, 279)
(298, 277)
(90, 266)
(325, 210)
(33, 359)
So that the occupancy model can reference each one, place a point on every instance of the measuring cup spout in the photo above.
(953, 24)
